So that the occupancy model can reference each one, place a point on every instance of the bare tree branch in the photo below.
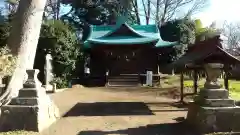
(197, 6)
(165, 10)
(135, 8)
(232, 32)
(145, 10)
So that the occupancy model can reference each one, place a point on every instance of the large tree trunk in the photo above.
(24, 38)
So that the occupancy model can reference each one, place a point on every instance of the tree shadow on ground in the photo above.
(119, 108)
(154, 129)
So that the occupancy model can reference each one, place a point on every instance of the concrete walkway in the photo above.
(101, 111)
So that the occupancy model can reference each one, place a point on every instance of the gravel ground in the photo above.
(119, 111)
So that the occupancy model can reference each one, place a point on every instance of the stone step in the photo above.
(123, 81)
(218, 103)
(214, 94)
(31, 92)
(115, 85)
(213, 119)
(25, 101)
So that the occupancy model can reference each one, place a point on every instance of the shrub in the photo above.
(60, 82)
(7, 62)
(4, 33)
(65, 50)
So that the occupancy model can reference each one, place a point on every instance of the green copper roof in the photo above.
(123, 34)
(141, 30)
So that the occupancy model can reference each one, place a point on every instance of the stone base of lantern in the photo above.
(213, 111)
(32, 110)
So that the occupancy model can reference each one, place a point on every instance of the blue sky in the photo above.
(218, 10)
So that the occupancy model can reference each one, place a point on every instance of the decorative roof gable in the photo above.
(123, 30)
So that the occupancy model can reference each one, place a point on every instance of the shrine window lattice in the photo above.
(125, 56)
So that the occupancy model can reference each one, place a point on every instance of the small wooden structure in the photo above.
(208, 51)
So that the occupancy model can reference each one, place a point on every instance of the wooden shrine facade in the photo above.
(123, 60)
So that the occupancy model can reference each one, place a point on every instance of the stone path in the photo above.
(98, 111)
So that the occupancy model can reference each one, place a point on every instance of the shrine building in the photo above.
(122, 54)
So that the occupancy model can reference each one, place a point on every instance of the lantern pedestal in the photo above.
(31, 110)
(212, 110)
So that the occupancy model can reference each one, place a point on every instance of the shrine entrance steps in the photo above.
(123, 80)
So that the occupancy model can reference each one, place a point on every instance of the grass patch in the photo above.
(234, 87)
(19, 133)
(169, 81)
(221, 133)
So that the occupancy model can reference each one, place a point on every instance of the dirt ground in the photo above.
(117, 111)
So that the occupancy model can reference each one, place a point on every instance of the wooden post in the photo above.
(195, 81)
(181, 86)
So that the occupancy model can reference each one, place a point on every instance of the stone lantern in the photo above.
(212, 108)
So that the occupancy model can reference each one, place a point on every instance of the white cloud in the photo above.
(220, 10)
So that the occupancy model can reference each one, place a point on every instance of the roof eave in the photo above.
(122, 43)
(166, 44)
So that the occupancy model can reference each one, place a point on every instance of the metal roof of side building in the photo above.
(208, 51)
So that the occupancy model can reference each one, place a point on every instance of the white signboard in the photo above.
(149, 78)
(86, 70)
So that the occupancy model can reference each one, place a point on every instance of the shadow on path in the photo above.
(155, 129)
(120, 108)
(109, 109)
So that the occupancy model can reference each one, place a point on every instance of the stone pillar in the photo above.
(173, 72)
(48, 72)
(87, 66)
(31, 110)
(149, 78)
(212, 110)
